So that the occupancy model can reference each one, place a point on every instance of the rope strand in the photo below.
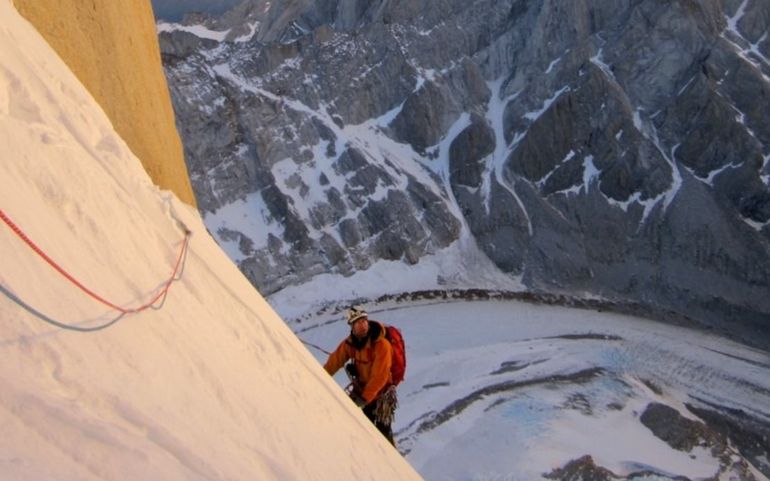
(161, 294)
(313, 345)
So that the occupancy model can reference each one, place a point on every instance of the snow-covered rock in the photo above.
(615, 149)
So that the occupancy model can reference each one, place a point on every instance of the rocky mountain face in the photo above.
(613, 148)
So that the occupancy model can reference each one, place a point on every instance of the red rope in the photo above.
(88, 291)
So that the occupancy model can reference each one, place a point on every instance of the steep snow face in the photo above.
(209, 385)
(503, 390)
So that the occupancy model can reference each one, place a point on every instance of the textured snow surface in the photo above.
(210, 386)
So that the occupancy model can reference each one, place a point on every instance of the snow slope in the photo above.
(212, 385)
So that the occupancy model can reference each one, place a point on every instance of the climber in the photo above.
(372, 386)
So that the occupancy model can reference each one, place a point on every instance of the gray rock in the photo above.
(467, 153)
(679, 432)
(582, 469)
(425, 116)
(614, 148)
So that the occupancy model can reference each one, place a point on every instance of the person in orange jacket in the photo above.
(372, 356)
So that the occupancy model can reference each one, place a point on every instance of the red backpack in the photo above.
(398, 364)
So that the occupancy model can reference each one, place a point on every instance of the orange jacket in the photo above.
(372, 361)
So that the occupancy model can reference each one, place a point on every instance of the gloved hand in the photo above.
(351, 371)
(356, 398)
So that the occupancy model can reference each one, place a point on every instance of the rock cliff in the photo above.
(112, 47)
(606, 148)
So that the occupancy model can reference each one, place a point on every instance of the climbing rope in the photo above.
(313, 345)
(54, 322)
(161, 294)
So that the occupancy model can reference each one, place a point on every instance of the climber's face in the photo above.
(360, 327)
